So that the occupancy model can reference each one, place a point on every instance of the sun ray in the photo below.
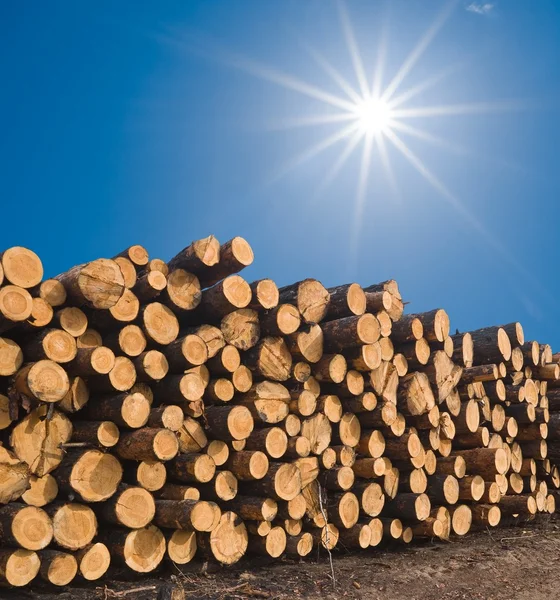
(377, 80)
(308, 121)
(313, 151)
(420, 48)
(422, 86)
(452, 199)
(350, 146)
(425, 136)
(388, 167)
(360, 198)
(333, 73)
(353, 49)
(458, 109)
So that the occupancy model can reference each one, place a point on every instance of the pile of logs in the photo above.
(154, 411)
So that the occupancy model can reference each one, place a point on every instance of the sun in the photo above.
(373, 116)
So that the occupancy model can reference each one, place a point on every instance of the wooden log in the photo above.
(485, 461)
(16, 306)
(241, 328)
(136, 254)
(344, 510)
(417, 354)
(385, 381)
(129, 340)
(480, 373)
(461, 519)
(11, 357)
(198, 256)
(414, 507)
(224, 487)
(79, 471)
(41, 491)
(124, 311)
(364, 403)
(187, 514)
(468, 419)
(345, 301)
(141, 550)
(452, 465)
(74, 525)
(18, 567)
(93, 561)
(407, 329)
(192, 468)
(151, 475)
(148, 443)
(273, 544)
(169, 417)
(182, 291)
(36, 440)
(151, 366)
(50, 290)
(265, 295)
(305, 403)
(248, 465)
(21, 266)
(523, 505)
(282, 320)
(435, 324)
(282, 482)
(150, 284)
(228, 542)
(130, 506)
(58, 568)
(125, 410)
(414, 481)
(120, 378)
(317, 429)
(270, 359)
(178, 388)
(477, 439)
(229, 422)
(128, 270)
(103, 434)
(98, 284)
(159, 323)
(491, 344)
(307, 344)
(350, 332)
(76, 397)
(45, 381)
(271, 440)
(24, 526)
(463, 352)
(415, 395)
(92, 361)
(300, 545)
(41, 315)
(364, 358)
(485, 515)
(310, 297)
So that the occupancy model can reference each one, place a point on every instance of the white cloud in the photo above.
(480, 8)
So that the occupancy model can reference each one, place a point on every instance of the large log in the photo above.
(98, 284)
(79, 471)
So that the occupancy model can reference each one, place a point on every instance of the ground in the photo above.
(521, 562)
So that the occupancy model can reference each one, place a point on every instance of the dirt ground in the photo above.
(521, 563)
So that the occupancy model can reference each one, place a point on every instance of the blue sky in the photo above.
(149, 122)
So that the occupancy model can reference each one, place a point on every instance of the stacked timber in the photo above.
(154, 411)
